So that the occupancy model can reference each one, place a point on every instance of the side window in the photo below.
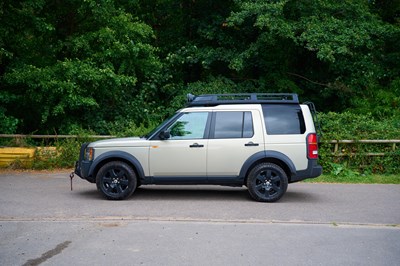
(233, 125)
(283, 119)
(189, 126)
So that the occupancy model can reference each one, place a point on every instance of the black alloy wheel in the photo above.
(267, 182)
(116, 180)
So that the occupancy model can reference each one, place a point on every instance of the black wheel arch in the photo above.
(117, 156)
(268, 156)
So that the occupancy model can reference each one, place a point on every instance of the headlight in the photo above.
(89, 154)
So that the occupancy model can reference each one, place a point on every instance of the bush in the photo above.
(349, 125)
(64, 154)
(351, 159)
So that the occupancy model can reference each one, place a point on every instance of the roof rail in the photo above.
(241, 98)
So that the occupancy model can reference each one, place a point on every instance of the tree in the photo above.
(92, 64)
(332, 50)
(81, 63)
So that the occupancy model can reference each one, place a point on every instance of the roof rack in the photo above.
(241, 98)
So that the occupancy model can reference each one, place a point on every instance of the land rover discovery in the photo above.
(261, 141)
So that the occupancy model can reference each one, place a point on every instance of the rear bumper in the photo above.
(313, 170)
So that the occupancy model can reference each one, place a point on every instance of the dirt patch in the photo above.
(30, 171)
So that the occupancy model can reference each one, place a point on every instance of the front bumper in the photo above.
(82, 166)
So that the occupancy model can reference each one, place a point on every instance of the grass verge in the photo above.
(357, 179)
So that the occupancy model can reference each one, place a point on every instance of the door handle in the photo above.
(251, 144)
(196, 145)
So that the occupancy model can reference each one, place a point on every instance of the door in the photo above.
(234, 137)
(183, 154)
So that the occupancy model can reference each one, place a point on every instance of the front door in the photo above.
(183, 154)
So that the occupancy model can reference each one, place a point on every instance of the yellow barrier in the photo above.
(22, 155)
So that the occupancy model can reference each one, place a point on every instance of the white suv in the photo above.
(262, 141)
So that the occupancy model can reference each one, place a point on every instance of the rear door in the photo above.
(234, 137)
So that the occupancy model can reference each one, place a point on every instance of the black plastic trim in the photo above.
(262, 155)
(80, 170)
(313, 170)
(177, 180)
(250, 162)
(194, 180)
(232, 181)
(116, 155)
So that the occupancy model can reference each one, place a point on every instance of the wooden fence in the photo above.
(336, 145)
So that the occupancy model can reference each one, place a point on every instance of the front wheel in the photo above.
(116, 180)
(267, 182)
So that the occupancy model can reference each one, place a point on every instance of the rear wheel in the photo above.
(116, 180)
(267, 182)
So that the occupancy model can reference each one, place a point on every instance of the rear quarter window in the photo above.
(283, 119)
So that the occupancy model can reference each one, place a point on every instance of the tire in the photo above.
(267, 182)
(116, 180)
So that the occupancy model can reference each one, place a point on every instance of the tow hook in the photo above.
(71, 176)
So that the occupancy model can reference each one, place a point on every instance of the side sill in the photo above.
(193, 180)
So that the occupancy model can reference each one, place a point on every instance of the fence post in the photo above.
(336, 148)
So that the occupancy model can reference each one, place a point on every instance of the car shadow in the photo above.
(89, 194)
(299, 197)
(163, 193)
(179, 193)
(199, 193)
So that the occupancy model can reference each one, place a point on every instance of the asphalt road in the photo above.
(43, 222)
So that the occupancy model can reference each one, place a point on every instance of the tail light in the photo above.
(312, 146)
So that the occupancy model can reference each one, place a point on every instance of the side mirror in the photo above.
(165, 134)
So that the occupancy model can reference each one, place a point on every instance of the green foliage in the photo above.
(350, 159)
(129, 129)
(8, 125)
(64, 154)
(332, 49)
(357, 179)
(80, 63)
(347, 125)
(381, 102)
(210, 86)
